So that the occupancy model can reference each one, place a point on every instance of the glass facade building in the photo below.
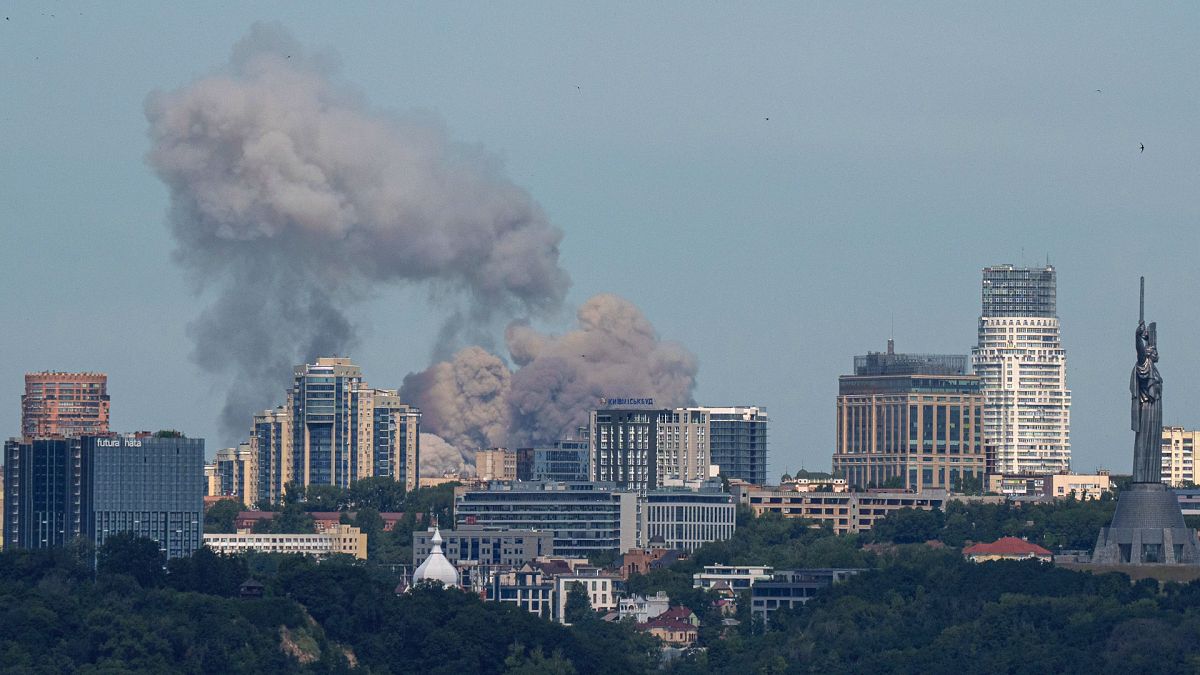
(565, 461)
(152, 487)
(324, 429)
(738, 442)
(41, 492)
(624, 447)
(921, 430)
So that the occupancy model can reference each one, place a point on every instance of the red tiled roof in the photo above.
(667, 624)
(1006, 546)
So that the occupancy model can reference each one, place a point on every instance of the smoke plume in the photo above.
(291, 199)
(439, 457)
(473, 402)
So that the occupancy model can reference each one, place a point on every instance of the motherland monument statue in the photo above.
(1148, 526)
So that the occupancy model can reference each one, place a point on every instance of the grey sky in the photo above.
(907, 147)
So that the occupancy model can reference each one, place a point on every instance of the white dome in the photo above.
(436, 567)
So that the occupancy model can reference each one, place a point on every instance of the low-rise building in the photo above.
(1050, 486)
(1007, 548)
(345, 539)
(484, 546)
(814, 484)
(687, 519)
(643, 560)
(643, 608)
(843, 511)
(737, 577)
(528, 588)
(597, 584)
(787, 589)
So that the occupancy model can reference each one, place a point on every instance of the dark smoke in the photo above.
(473, 402)
(292, 199)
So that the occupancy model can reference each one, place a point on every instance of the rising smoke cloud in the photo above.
(292, 200)
(473, 402)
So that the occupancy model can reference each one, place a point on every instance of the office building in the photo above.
(564, 462)
(271, 440)
(788, 589)
(143, 484)
(682, 450)
(1178, 456)
(496, 464)
(687, 519)
(480, 546)
(64, 404)
(41, 492)
(911, 420)
(738, 442)
(340, 539)
(624, 447)
(585, 518)
(1023, 367)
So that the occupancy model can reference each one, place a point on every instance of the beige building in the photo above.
(910, 420)
(683, 445)
(845, 512)
(271, 441)
(1057, 486)
(234, 473)
(599, 588)
(345, 539)
(1178, 453)
(496, 464)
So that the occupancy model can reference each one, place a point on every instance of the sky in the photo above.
(776, 186)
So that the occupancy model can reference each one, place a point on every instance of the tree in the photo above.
(578, 608)
(909, 526)
(128, 554)
(536, 662)
(219, 518)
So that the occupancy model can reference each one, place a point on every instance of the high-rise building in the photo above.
(271, 440)
(1023, 366)
(910, 420)
(42, 492)
(144, 484)
(237, 474)
(96, 486)
(624, 447)
(395, 438)
(496, 464)
(64, 404)
(326, 447)
(738, 442)
(683, 445)
(1178, 455)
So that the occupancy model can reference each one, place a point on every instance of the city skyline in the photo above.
(996, 157)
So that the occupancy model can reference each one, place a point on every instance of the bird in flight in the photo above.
(1098, 91)
(767, 119)
(1143, 146)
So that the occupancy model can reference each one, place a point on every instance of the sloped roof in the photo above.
(1006, 546)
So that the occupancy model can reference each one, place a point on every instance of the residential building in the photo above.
(738, 442)
(327, 442)
(481, 546)
(682, 448)
(1052, 486)
(395, 437)
(845, 512)
(1007, 548)
(212, 480)
(42, 492)
(528, 588)
(271, 440)
(814, 484)
(788, 589)
(672, 632)
(1178, 455)
(585, 518)
(643, 608)
(686, 519)
(343, 539)
(1023, 367)
(911, 419)
(597, 584)
(144, 484)
(645, 560)
(496, 464)
(64, 404)
(566, 461)
(1189, 500)
(737, 577)
(624, 447)
(236, 473)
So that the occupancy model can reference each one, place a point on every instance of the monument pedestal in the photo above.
(1147, 529)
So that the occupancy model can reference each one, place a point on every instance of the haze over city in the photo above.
(777, 189)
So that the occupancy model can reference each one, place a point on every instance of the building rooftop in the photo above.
(1006, 546)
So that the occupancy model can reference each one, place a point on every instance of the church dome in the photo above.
(436, 567)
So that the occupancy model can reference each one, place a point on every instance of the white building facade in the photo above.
(1023, 366)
